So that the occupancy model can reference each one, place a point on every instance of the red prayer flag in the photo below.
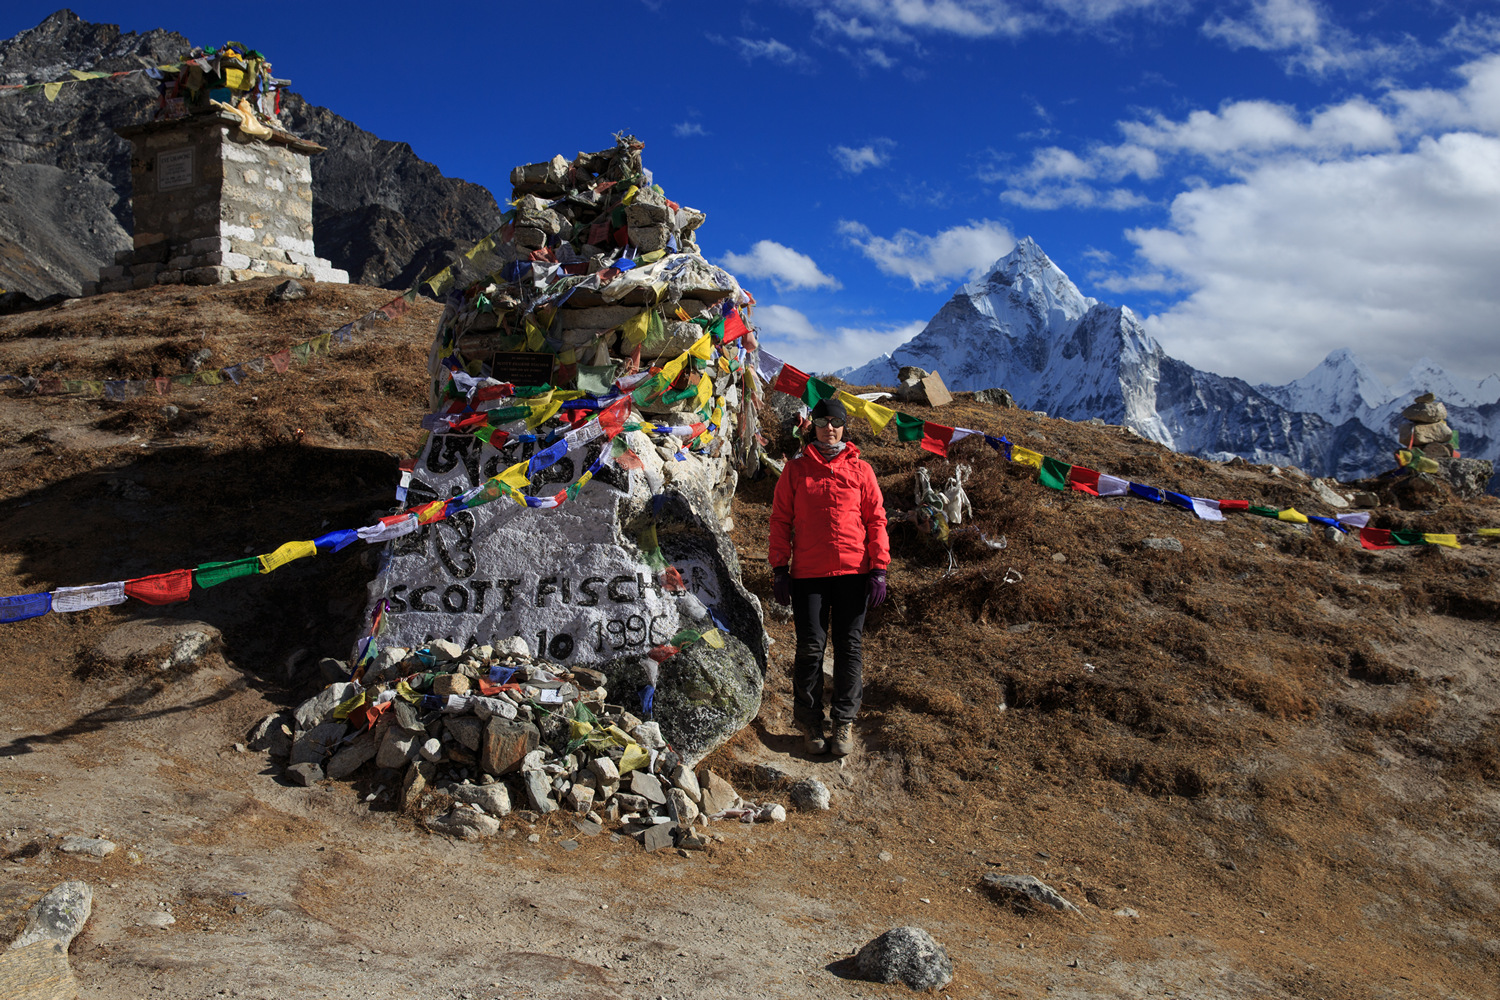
(163, 588)
(1377, 538)
(1084, 480)
(661, 654)
(734, 327)
(612, 417)
(1234, 505)
(628, 459)
(489, 392)
(935, 438)
(791, 381)
(672, 581)
(281, 360)
(163, 386)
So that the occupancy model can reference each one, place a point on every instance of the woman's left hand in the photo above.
(877, 588)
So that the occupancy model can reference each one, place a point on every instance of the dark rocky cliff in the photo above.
(381, 212)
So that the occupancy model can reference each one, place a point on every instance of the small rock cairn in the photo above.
(1424, 429)
(461, 736)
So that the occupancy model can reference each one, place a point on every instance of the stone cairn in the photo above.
(1424, 428)
(921, 386)
(544, 739)
(585, 657)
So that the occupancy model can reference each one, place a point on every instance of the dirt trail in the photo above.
(1283, 755)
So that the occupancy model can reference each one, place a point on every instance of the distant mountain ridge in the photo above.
(379, 211)
(1026, 327)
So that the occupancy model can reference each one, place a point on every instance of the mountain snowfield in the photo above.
(1026, 327)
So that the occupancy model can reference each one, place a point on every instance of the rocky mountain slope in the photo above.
(382, 213)
(1026, 327)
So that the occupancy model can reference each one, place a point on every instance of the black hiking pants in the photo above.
(824, 606)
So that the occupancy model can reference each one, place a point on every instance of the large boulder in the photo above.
(1469, 477)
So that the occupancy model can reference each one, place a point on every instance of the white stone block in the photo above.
(327, 273)
(231, 231)
(237, 153)
(292, 244)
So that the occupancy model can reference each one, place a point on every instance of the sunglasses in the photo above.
(827, 422)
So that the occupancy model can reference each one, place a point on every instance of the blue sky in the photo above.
(1263, 180)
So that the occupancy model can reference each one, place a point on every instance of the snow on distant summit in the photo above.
(1026, 327)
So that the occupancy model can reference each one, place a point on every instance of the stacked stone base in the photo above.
(214, 260)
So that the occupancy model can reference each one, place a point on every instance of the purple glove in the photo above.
(781, 585)
(877, 588)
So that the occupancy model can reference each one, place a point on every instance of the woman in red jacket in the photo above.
(828, 523)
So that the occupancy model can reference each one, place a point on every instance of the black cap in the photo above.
(830, 408)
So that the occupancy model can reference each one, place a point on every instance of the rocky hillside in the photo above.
(382, 213)
(1260, 761)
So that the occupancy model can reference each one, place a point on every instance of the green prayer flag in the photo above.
(484, 434)
(1408, 537)
(1054, 473)
(1265, 511)
(505, 414)
(649, 390)
(816, 391)
(596, 380)
(907, 428)
(680, 394)
(214, 573)
(527, 391)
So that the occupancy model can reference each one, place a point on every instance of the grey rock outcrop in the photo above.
(58, 916)
(1030, 887)
(906, 955)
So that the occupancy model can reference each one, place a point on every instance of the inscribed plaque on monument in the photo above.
(522, 367)
(174, 169)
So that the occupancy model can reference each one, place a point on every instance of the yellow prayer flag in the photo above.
(1293, 515)
(535, 335)
(1451, 541)
(515, 477)
(1489, 532)
(630, 194)
(636, 327)
(52, 90)
(285, 554)
(483, 246)
(705, 391)
(673, 368)
(1026, 456)
(543, 411)
(703, 347)
(348, 705)
(634, 757)
(713, 638)
(405, 693)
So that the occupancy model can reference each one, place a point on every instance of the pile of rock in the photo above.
(920, 386)
(1424, 428)
(463, 736)
(1429, 447)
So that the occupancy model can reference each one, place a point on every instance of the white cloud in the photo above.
(1058, 178)
(1300, 28)
(781, 265)
(791, 336)
(684, 130)
(769, 49)
(857, 160)
(900, 19)
(960, 252)
(1391, 254)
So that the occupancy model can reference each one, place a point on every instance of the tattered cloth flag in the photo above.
(163, 588)
(936, 437)
(23, 606)
(81, 598)
(212, 574)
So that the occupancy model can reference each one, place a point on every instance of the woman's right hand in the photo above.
(781, 585)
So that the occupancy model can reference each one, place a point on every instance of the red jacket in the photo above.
(828, 517)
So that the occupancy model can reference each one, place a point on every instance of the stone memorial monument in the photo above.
(219, 191)
(608, 556)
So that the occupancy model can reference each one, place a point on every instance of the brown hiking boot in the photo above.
(842, 744)
(812, 738)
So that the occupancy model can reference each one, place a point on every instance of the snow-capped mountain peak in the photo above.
(1340, 388)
